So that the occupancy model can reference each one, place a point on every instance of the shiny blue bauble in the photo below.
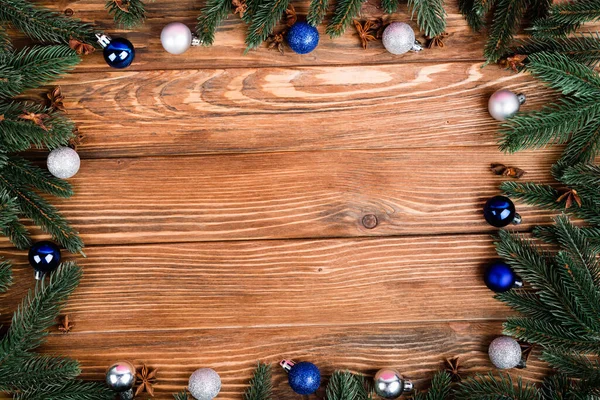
(302, 37)
(499, 211)
(44, 257)
(304, 378)
(119, 53)
(500, 277)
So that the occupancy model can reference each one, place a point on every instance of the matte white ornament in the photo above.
(504, 104)
(505, 352)
(63, 162)
(176, 38)
(204, 384)
(398, 38)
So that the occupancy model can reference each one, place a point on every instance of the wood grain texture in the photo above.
(417, 350)
(294, 109)
(279, 283)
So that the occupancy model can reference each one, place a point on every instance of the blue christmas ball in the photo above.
(302, 37)
(304, 378)
(499, 211)
(500, 277)
(119, 53)
(44, 257)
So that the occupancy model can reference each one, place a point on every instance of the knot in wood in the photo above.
(369, 221)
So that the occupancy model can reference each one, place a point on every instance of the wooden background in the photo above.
(221, 199)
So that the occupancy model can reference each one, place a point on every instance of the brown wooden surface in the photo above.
(222, 196)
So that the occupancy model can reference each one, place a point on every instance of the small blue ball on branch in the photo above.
(499, 211)
(500, 277)
(304, 377)
(302, 37)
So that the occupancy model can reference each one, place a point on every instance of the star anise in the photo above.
(512, 172)
(122, 4)
(515, 62)
(56, 98)
(365, 31)
(453, 367)
(64, 325)
(240, 7)
(275, 41)
(80, 47)
(37, 119)
(290, 16)
(569, 197)
(76, 140)
(437, 41)
(146, 379)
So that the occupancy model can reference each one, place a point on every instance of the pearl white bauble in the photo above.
(63, 162)
(176, 38)
(120, 376)
(504, 104)
(505, 352)
(204, 384)
(398, 38)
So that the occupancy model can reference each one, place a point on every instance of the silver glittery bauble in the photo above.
(504, 104)
(204, 384)
(398, 38)
(176, 38)
(390, 385)
(63, 162)
(505, 352)
(120, 377)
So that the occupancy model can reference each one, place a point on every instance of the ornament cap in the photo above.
(287, 365)
(407, 385)
(521, 97)
(38, 275)
(103, 39)
(517, 219)
(196, 41)
(518, 283)
(417, 46)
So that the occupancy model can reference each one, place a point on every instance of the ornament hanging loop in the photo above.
(287, 365)
(196, 41)
(517, 219)
(103, 39)
(417, 46)
(521, 97)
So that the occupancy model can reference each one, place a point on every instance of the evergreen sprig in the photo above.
(44, 25)
(181, 395)
(267, 14)
(261, 386)
(345, 12)
(566, 17)
(583, 48)
(431, 15)
(507, 19)
(211, 16)
(441, 386)
(6, 278)
(318, 9)
(344, 385)
(128, 13)
(490, 387)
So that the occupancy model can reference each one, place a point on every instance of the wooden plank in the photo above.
(462, 43)
(276, 109)
(294, 195)
(278, 283)
(417, 350)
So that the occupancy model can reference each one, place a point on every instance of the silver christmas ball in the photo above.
(398, 38)
(390, 385)
(120, 376)
(505, 352)
(176, 38)
(63, 162)
(504, 104)
(204, 384)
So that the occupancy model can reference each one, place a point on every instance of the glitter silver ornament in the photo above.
(398, 38)
(176, 38)
(120, 377)
(505, 352)
(204, 384)
(390, 385)
(504, 104)
(63, 162)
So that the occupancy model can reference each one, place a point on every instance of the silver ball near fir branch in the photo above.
(204, 384)
(505, 352)
(63, 162)
(120, 377)
(176, 38)
(505, 104)
(388, 384)
(399, 38)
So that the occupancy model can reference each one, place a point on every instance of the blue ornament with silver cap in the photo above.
(499, 211)
(118, 53)
(44, 257)
(304, 377)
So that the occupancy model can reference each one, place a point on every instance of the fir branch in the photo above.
(211, 16)
(390, 6)
(23, 373)
(38, 312)
(343, 385)
(526, 302)
(261, 386)
(560, 387)
(11, 81)
(23, 171)
(583, 145)
(9, 221)
(70, 390)
(318, 9)
(251, 9)
(17, 234)
(345, 12)
(583, 48)
(44, 215)
(268, 13)
(5, 275)
(573, 364)
(567, 17)
(475, 11)
(507, 18)
(440, 388)
(490, 387)
(44, 25)
(181, 395)
(548, 235)
(38, 66)
(431, 16)
(5, 43)
(128, 14)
